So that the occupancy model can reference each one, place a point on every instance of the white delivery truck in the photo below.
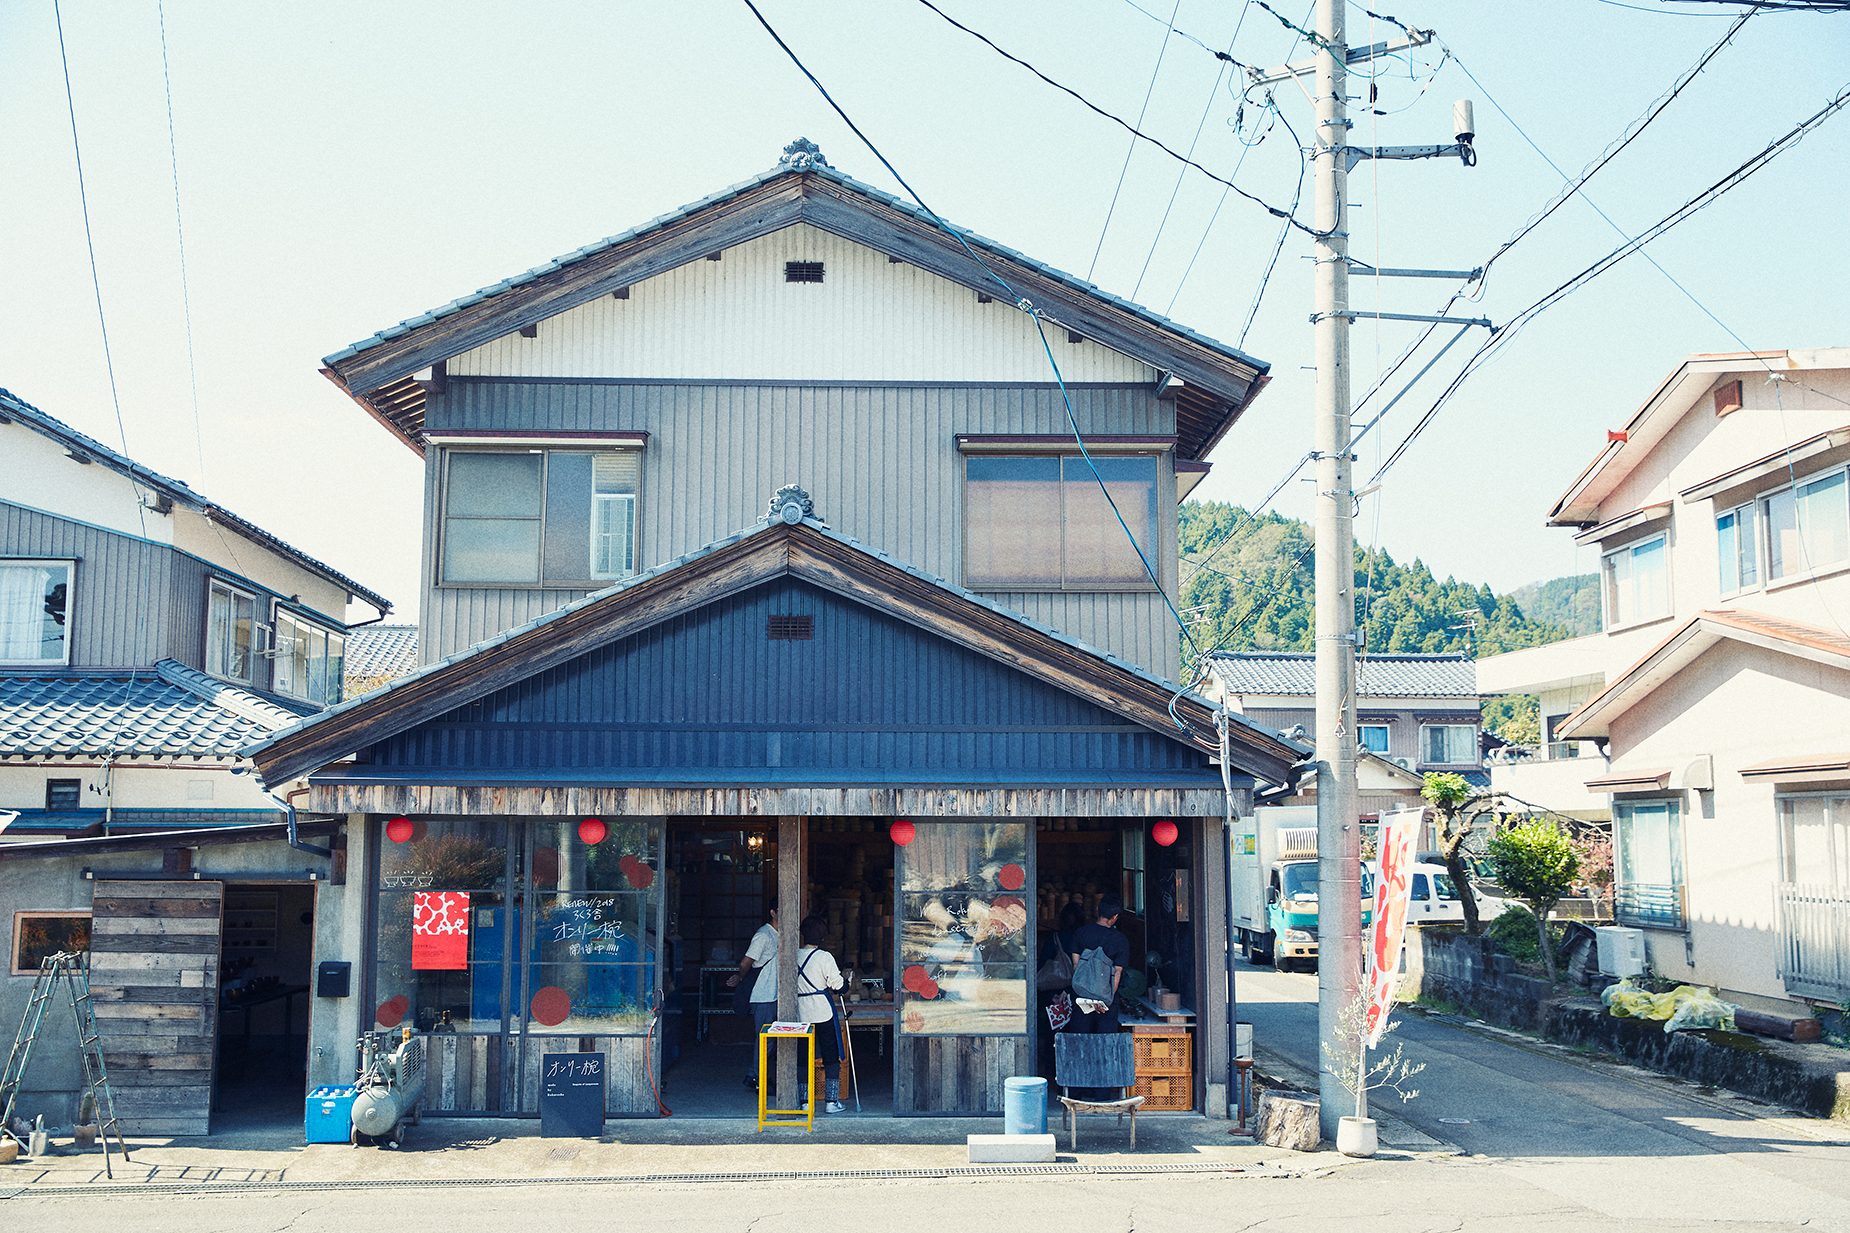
(1274, 885)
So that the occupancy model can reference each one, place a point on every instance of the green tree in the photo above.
(1457, 807)
(1517, 718)
(1535, 861)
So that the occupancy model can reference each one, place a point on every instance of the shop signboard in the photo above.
(439, 931)
(572, 1095)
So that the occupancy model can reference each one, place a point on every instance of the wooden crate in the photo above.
(1164, 1051)
(1166, 1093)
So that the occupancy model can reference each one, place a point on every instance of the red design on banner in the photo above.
(550, 1006)
(1393, 895)
(439, 931)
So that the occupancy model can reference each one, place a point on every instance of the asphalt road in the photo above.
(1623, 1144)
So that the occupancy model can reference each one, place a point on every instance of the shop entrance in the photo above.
(266, 950)
(723, 884)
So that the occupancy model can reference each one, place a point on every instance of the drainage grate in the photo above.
(790, 628)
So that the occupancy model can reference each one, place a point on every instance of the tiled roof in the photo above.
(38, 822)
(89, 448)
(379, 653)
(1377, 676)
(168, 711)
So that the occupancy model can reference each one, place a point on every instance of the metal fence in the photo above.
(1814, 940)
(1640, 903)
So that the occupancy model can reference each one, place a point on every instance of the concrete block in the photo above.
(1010, 1149)
(1287, 1120)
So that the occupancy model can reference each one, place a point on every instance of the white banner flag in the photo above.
(1393, 894)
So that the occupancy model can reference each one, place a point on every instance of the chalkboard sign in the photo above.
(572, 1095)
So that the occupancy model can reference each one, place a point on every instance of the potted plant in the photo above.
(1348, 1060)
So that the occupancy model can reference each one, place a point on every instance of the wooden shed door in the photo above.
(154, 956)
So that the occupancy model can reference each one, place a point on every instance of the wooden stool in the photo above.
(1120, 1107)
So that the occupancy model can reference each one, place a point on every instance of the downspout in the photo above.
(287, 801)
(1224, 728)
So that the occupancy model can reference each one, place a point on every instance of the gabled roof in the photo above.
(380, 652)
(1218, 380)
(1669, 403)
(16, 410)
(169, 711)
(1291, 674)
(805, 550)
(1704, 631)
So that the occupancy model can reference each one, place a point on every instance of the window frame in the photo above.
(1836, 837)
(591, 580)
(1750, 546)
(19, 919)
(256, 650)
(1142, 585)
(1629, 550)
(1621, 823)
(303, 691)
(69, 565)
(1474, 729)
(1387, 735)
(52, 781)
(1805, 566)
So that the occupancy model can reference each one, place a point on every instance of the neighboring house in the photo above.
(1553, 773)
(146, 634)
(1420, 712)
(1721, 685)
(928, 691)
(377, 654)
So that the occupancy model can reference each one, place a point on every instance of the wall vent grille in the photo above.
(802, 271)
(790, 628)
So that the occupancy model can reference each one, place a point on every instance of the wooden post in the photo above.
(789, 918)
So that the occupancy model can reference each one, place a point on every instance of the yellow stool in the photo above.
(805, 1117)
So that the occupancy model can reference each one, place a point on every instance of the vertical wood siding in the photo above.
(869, 320)
(122, 594)
(880, 461)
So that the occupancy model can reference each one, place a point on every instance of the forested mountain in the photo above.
(1253, 592)
(1572, 602)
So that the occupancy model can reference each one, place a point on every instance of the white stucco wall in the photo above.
(38, 473)
(22, 786)
(1744, 706)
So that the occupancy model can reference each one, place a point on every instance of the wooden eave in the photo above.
(775, 551)
(381, 376)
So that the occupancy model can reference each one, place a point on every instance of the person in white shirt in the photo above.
(818, 978)
(760, 957)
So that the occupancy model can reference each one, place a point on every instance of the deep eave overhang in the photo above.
(812, 554)
(1217, 382)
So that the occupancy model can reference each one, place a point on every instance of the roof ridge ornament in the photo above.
(802, 155)
(790, 504)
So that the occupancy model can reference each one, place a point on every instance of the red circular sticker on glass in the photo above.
(1011, 877)
(550, 1006)
(391, 1012)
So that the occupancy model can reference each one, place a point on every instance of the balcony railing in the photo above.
(1639, 903)
(1814, 941)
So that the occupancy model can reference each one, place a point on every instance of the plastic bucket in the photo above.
(1024, 1106)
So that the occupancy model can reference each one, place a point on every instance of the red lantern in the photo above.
(902, 832)
(592, 831)
(1164, 833)
(398, 830)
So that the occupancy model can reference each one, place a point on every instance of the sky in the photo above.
(342, 166)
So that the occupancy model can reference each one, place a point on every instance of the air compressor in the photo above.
(390, 1088)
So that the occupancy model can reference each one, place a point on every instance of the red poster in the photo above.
(439, 931)
(1393, 895)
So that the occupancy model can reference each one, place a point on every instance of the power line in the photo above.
(1263, 204)
(1297, 194)
(1020, 301)
(179, 226)
(1634, 244)
(1130, 149)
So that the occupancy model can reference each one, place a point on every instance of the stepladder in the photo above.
(67, 969)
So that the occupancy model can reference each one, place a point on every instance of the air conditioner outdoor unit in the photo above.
(1621, 950)
(1405, 764)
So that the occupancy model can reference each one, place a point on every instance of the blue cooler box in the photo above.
(329, 1118)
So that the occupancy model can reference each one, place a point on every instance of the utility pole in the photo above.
(1339, 845)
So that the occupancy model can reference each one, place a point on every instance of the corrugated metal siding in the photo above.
(120, 614)
(880, 461)
(870, 320)
(709, 691)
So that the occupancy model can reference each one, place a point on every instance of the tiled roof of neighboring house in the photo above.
(40, 822)
(88, 448)
(1377, 676)
(380, 653)
(168, 711)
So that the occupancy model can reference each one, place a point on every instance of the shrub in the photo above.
(1514, 933)
(1536, 862)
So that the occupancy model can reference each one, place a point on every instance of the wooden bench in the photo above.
(1096, 1061)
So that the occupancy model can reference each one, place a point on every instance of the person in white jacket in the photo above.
(818, 980)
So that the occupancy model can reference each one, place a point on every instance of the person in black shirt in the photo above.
(1102, 934)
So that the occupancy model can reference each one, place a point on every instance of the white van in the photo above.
(1435, 900)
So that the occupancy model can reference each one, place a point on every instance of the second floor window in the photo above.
(1039, 522)
(1636, 580)
(540, 517)
(1375, 738)
(1737, 542)
(35, 614)
(308, 660)
(1807, 526)
(1448, 744)
(231, 633)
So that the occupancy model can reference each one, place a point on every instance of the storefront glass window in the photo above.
(442, 924)
(964, 929)
(595, 910)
